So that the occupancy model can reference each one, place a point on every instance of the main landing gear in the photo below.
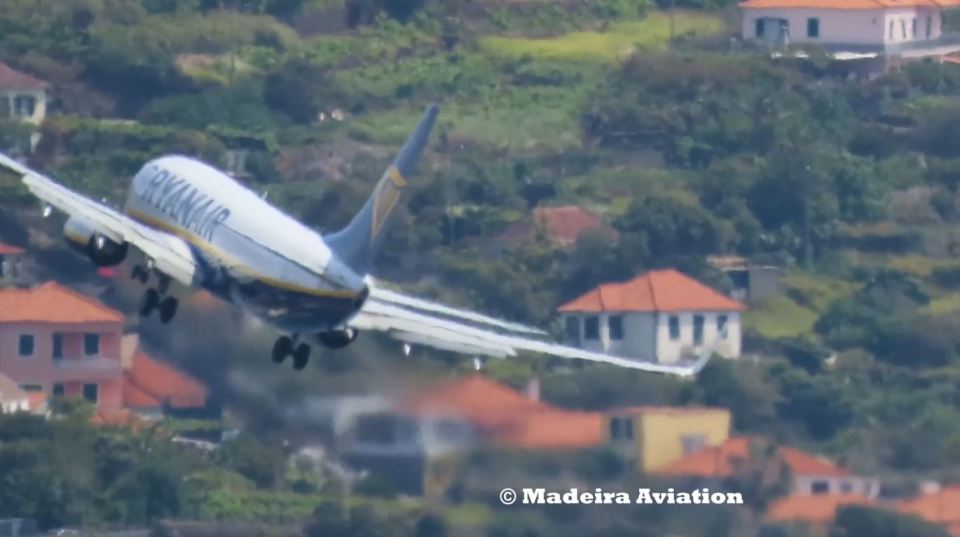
(154, 299)
(287, 346)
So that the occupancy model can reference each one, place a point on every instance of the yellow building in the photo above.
(655, 436)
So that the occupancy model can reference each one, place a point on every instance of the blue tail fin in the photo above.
(358, 243)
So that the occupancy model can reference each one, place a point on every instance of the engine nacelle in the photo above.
(338, 339)
(86, 239)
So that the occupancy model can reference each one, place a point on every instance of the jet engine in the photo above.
(102, 250)
(338, 339)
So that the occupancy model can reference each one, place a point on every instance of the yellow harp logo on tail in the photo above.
(385, 198)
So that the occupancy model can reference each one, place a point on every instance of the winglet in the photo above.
(358, 243)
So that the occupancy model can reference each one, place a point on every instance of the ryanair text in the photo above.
(541, 496)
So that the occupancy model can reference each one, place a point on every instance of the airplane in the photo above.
(196, 225)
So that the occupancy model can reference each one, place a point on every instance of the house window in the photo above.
(91, 392)
(91, 344)
(57, 346)
(24, 105)
(891, 30)
(674, 323)
(621, 428)
(58, 390)
(913, 28)
(697, 329)
(692, 443)
(846, 487)
(819, 487)
(591, 328)
(813, 27)
(615, 325)
(722, 325)
(929, 26)
(573, 329)
(31, 387)
(903, 29)
(758, 29)
(26, 345)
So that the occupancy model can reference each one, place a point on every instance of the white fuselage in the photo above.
(253, 253)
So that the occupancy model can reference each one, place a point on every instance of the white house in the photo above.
(661, 315)
(22, 96)
(906, 28)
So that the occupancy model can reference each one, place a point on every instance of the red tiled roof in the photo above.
(942, 507)
(53, 303)
(6, 249)
(509, 417)
(660, 290)
(722, 461)
(11, 79)
(847, 4)
(805, 464)
(150, 383)
(818, 509)
(562, 224)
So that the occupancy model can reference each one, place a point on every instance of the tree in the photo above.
(675, 227)
(861, 521)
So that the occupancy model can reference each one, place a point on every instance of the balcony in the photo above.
(87, 369)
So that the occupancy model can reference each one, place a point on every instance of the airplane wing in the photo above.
(421, 322)
(170, 254)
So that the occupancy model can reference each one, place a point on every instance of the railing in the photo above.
(83, 368)
(941, 45)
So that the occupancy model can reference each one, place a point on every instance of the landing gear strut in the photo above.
(286, 346)
(154, 299)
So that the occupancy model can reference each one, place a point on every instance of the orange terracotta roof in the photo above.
(53, 303)
(660, 290)
(806, 464)
(942, 507)
(13, 80)
(818, 509)
(722, 461)
(476, 398)
(509, 417)
(6, 249)
(562, 224)
(847, 4)
(161, 383)
(954, 530)
(135, 397)
(554, 430)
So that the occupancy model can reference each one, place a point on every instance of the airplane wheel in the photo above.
(281, 349)
(149, 302)
(301, 356)
(138, 273)
(168, 309)
(164, 284)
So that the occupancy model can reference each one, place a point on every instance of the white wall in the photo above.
(670, 350)
(646, 335)
(848, 26)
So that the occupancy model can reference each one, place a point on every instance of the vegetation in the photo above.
(688, 149)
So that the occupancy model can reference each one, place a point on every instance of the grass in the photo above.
(617, 43)
(784, 316)
(943, 305)
(780, 317)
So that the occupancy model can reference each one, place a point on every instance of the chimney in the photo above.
(533, 389)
